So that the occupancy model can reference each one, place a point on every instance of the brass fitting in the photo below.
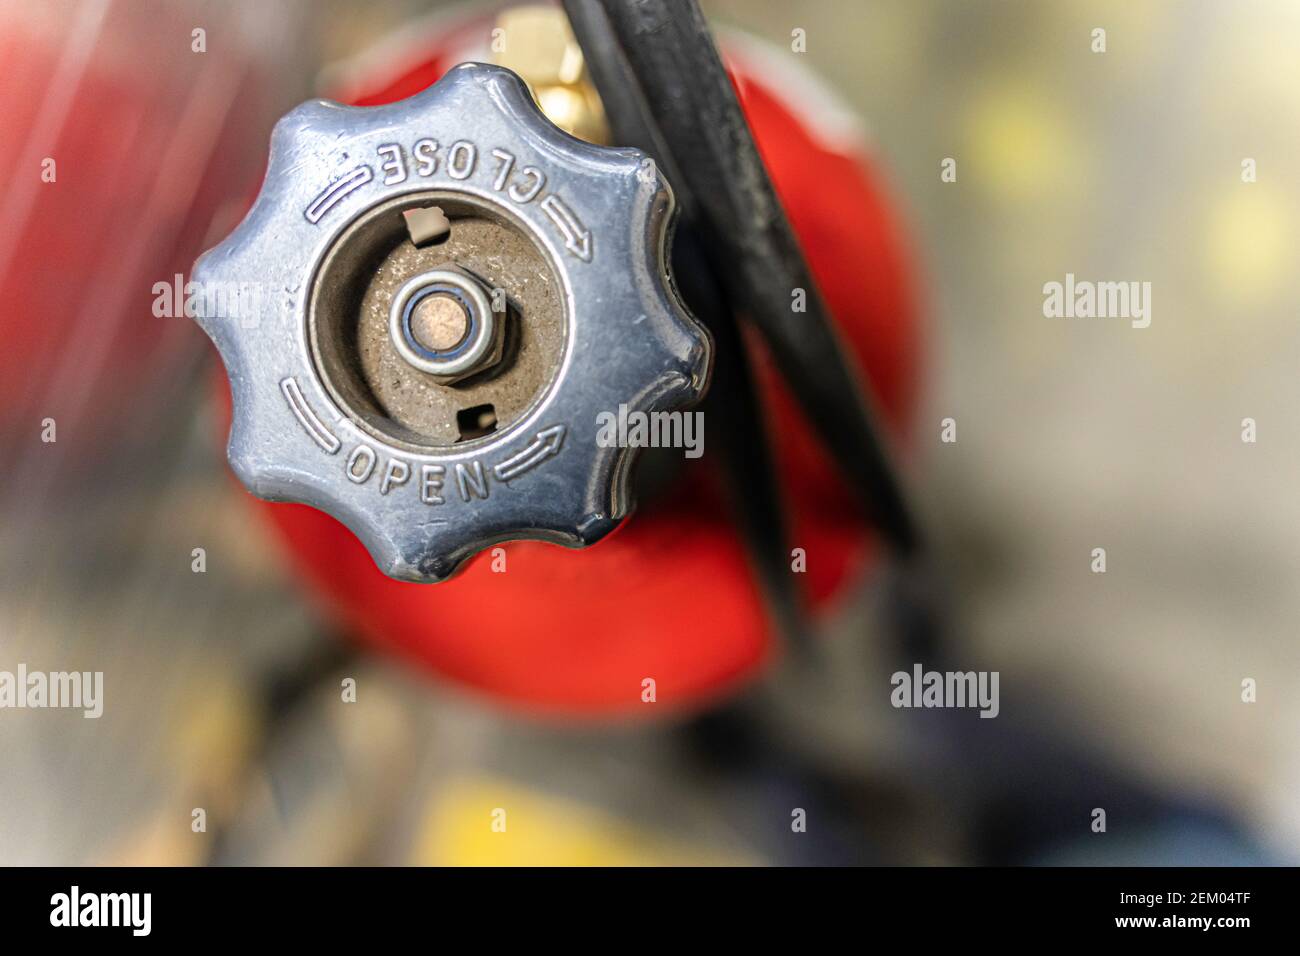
(537, 43)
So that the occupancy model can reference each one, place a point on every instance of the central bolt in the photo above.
(441, 322)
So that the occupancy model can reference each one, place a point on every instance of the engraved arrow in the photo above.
(546, 444)
(577, 239)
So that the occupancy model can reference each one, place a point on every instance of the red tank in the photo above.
(670, 595)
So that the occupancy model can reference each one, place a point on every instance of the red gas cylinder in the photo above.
(670, 596)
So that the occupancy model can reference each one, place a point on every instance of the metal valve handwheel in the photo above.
(448, 292)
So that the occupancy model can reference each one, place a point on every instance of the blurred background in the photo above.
(1120, 690)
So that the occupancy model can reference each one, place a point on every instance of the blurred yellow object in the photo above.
(535, 41)
(487, 821)
(214, 738)
(1020, 148)
(1248, 242)
(163, 839)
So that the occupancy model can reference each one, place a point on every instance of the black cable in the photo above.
(660, 76)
